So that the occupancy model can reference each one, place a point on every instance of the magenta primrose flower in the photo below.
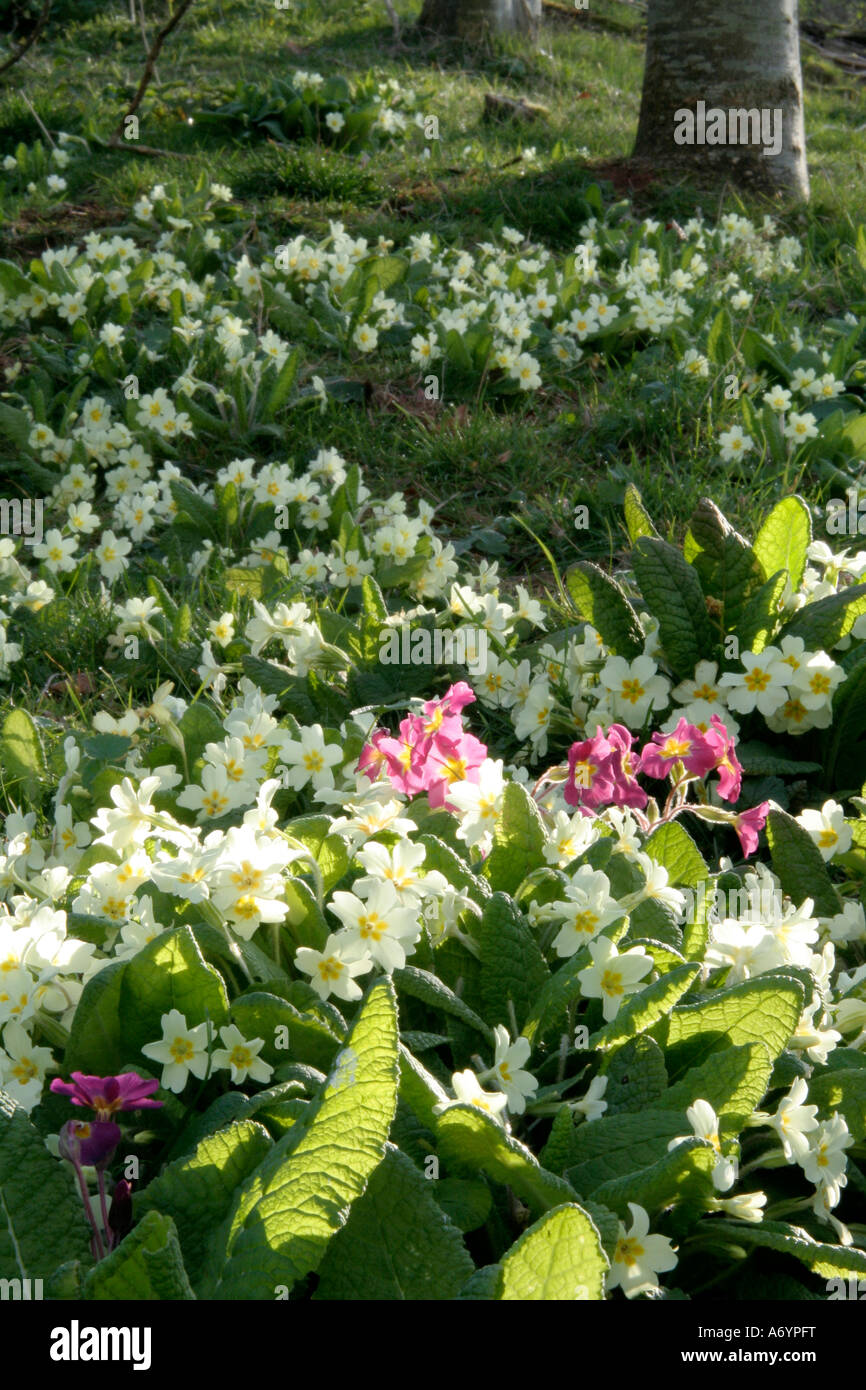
(748, 824)
(432, 749)
(590, 781)
(727, 765)
(685, 744)
(108, 1094)
(625, 767)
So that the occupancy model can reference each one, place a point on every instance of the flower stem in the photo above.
(85, 1197)
(109, 1235)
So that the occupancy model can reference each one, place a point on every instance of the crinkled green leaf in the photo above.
(645, 1007)
(147, 1267)
(300, 1196)
(761, 613)
(513, 969)
(672, 591)
(559, 1152)
(600, 600)
(42, 1222)
(328, 850)
(419, 1089)
(471, 1140)
(798, 863)
(445, 860)
(421, 984)
(170, 972)
(733, 1081)
(672, 846)
(559, 1259)
(824, 623)
(845, 1091)
(617, 1145)
(518, 840)
(96, 1045)
(260, 1015)
(827, 1261)
(682, 1176)
(637, 519)
(397, 1244)
(196, 1191)
(636, 1077)
(21, 760)
(467, 1201)
(849, 721)
(765, 1010)
(784, 538)
(760, 760)
(728, 567)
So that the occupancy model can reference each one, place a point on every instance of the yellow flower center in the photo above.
(632, 690)
(611, 983)
(330, 969)
(757, 679)
(628, 1251)
(371, 924)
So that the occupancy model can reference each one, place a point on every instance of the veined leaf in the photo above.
(397, 1244)
(826, 1261)
(197, 1191)
(765, 1010)
(295, 1201)
(471, 1140)
(559, 1259)
(798, 863)
(672, 846)
(681, 1177)
(42, 1222)
(146, 1267)
(784, 538)
(672, 591)
(601, 601)
(637, 519)
(170, 972)
(824, 623)
(512, 966)
(518, 840)
(733, 1081)
(420, 984)
(641, 1010)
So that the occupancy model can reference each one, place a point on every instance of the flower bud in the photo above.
(120, 1211)
(89, 1143)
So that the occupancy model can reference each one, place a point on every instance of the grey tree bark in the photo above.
(472, 19)
(741, 57)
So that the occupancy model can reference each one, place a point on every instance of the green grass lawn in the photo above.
(475, 460)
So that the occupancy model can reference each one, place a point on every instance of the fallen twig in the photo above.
(117, 141)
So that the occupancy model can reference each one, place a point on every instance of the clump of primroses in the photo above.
(432, 751)
(603, 771)
(92, 1144)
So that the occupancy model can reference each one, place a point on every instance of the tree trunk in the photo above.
(472, 19)
(722, 90)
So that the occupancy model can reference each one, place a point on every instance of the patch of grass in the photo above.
(476, 461)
